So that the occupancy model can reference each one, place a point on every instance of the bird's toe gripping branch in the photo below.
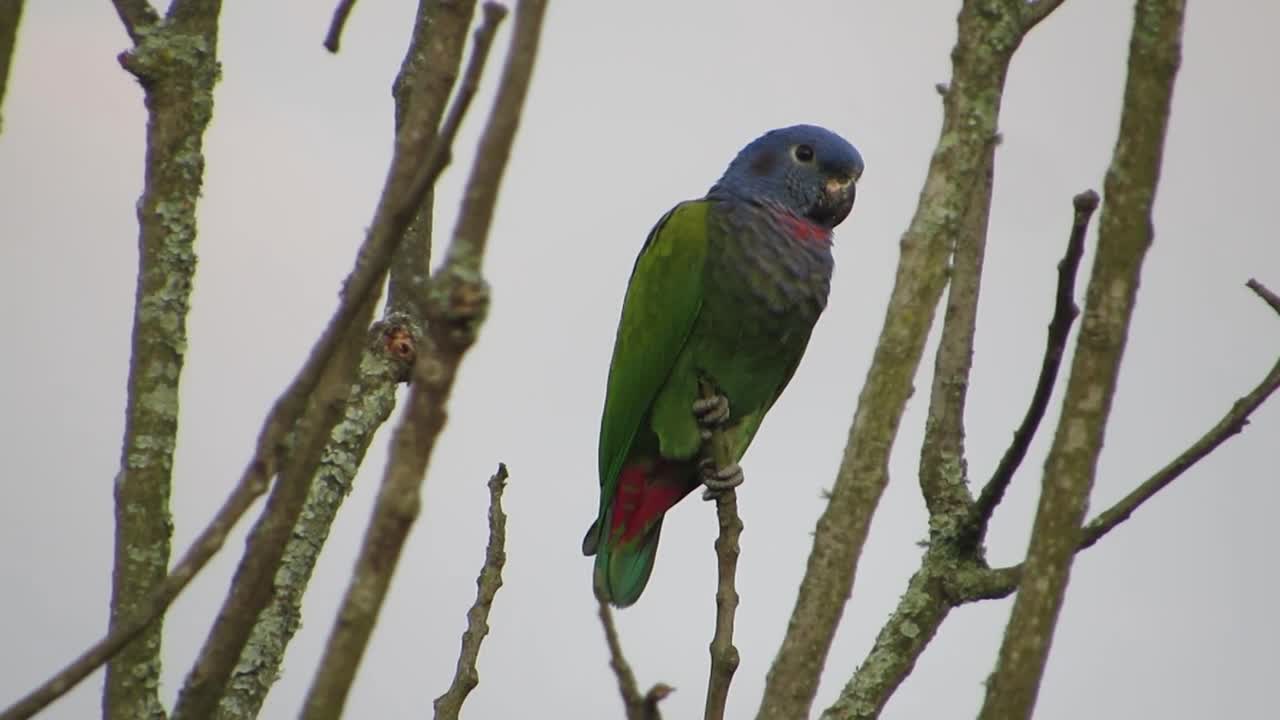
(718, 480)
(711, 413)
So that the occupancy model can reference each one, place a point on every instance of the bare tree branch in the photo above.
(430, 68)
(10, 17)
(1036, 11)
(1124, 236)
(385, 363)
(944, 470)
(988, 35)
(205, 546)
(627, 686)
(1064, 314)
(637, 706)
(415, 166)
(1266, 294)
(458, 303)
(724, 655)
(1001, 582)
(943, 475)
(178, 83)
(137, 16)
(466, 677)
(905, 635)
(336, 26)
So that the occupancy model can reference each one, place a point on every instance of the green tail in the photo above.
(623, 570)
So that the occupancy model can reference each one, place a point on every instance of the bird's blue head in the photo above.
(807, 170)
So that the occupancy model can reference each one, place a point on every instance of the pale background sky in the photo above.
(636, 106)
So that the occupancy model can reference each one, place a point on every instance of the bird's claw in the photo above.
(719, 480)
(711, 413)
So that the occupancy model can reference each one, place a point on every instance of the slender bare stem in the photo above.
(1001, 582)
(465, 676)
(1265, 293)
(1124, 236)
(457, 306)
(333, 38)
(724, 655)
(1064, 315)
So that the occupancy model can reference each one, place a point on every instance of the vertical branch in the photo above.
(989, 33)
(724, 655)
(425, 80)
(1125, 233)
(457, 307)
(177, 67)
(466, 677)
(10, 16)
(943, 468)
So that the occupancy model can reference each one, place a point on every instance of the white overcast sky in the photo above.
(636, 106)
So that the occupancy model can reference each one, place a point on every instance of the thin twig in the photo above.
(627, 686)
(206, 544)
(1265, 293)
(458, 303)
(1064, 315)
(1001, 582)
(637, 706)
(465, 676)
(724, 655)
(339, 22)
(1124, 236)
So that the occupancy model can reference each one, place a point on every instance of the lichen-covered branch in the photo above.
(944, 470)
(430, 68)
(989, 32)
(1125, 234)
(724, 654)
(1064, 315)
(177, 67)
(10, 16)
(426, 78)
(137, 16)
(457, 306)
(466, 677)
(383, 365)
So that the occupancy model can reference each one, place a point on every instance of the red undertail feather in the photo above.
(646, 490)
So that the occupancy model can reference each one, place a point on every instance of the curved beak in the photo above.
(838, 194)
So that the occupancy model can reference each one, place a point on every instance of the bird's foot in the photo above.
(711, 413)
(719, 480)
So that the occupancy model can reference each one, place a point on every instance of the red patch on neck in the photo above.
(802, 229)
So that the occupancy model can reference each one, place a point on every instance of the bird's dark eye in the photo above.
(804, 153)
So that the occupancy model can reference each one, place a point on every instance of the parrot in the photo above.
(725, 292)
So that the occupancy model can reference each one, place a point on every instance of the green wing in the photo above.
(663, 299)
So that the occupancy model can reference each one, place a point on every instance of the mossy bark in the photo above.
(175, 62)
(989, 33)
(1125, 234)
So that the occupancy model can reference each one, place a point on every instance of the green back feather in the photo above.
(664, 297)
